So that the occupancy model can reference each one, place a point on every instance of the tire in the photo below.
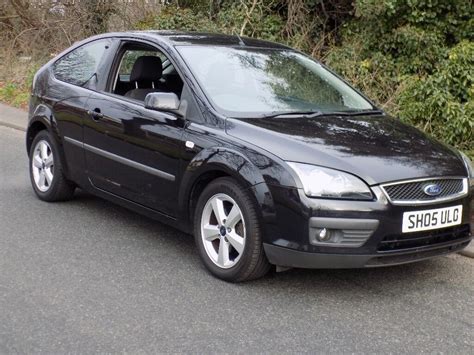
(46, 171)
(230, 248)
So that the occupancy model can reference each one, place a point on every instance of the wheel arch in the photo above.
(34, 128)
(211, 164)
(43, 119)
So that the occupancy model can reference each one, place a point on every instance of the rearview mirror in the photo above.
(164, 101)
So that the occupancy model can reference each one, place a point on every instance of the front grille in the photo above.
(414, 190)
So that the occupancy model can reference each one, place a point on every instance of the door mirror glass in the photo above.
(162, 101)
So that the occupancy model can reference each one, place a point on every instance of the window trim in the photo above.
(140, 104)
(114, 83)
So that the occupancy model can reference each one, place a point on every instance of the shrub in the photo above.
(415, 59)
(229, 19)
(443, 103)
(174, 18)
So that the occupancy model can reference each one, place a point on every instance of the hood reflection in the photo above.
(377, 148)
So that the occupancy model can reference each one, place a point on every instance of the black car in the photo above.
(262, 153)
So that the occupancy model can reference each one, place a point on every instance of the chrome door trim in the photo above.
(74, 142)
(120, 159)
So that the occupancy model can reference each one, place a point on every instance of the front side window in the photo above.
(80, 66)
(248, 81)
(143, 70)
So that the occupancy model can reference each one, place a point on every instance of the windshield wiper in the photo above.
(304, 114)
(313, 113)
(358, 113)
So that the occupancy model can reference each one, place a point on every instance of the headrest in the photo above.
(146, 68)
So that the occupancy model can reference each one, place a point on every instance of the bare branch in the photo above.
(248, 14)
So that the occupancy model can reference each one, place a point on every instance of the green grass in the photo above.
(14, 95)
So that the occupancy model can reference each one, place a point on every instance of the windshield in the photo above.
(245, 81)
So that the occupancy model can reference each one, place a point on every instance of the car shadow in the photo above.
(376, 281)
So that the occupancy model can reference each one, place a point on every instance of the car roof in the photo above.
(196, 38)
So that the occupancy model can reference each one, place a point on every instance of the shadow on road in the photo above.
(385, 280)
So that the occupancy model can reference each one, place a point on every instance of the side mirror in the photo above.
(162, 101)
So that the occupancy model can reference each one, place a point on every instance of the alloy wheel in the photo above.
(223, 230)
(42, 164)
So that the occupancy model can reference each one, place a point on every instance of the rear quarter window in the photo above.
(80, 65)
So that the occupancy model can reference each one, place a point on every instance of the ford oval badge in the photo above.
(432, 190)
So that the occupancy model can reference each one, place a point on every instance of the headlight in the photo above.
(329, 183)
(470, 169)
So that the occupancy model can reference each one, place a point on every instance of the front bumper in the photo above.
(292, 258)
(292, 244)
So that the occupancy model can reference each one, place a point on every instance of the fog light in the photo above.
(324, 235)
(340, 232)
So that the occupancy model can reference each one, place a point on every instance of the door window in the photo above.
(80, 66)
(129, 58)
(149, 76)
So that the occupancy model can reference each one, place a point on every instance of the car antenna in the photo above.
(241, 42)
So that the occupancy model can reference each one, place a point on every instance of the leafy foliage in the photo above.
(173, 18)
(262, 23)
(414, 58)
(443, 103)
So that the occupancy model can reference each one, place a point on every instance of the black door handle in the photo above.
(95, 114)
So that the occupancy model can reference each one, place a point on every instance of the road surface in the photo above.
(88, 276)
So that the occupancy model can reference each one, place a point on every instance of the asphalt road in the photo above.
(88, 276)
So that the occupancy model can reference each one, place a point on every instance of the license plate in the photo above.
(431, 219)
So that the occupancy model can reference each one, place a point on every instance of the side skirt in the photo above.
(135, 207)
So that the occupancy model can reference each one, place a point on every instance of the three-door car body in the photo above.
(322, 177)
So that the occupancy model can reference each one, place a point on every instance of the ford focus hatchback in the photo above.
(263, 154)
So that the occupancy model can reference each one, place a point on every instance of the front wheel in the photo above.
(228, 232)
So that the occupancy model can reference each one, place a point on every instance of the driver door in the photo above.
(133, 152)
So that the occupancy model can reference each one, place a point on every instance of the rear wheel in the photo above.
(228, 232)
(46, 171)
